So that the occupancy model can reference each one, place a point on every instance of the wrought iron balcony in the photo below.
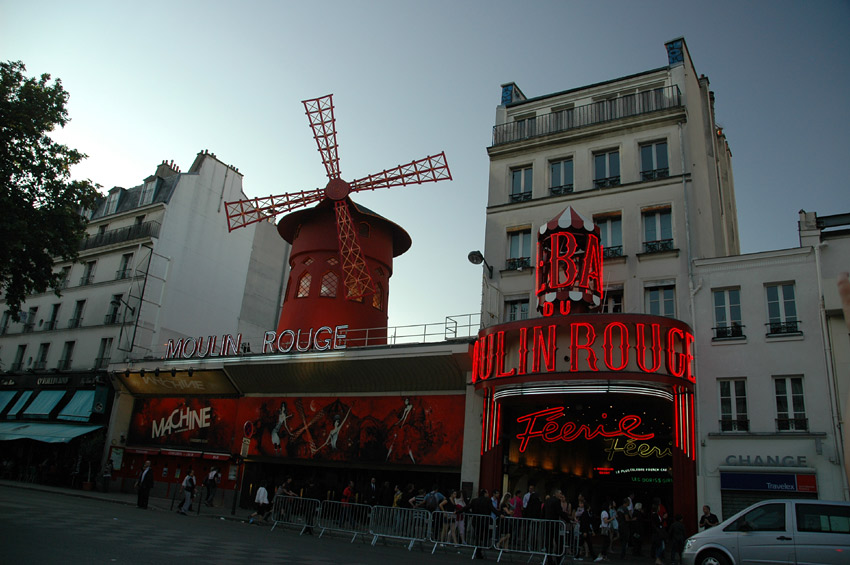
(86, 280)
(738, 425)
(50, 325)
(111, 319)
(607, 182)
(521, 196)
(561, 190)
(783, 328)
(792, 424)
(64, 364)
(123, 274)
(28, 327)
(17, 366)
(603, 111)
(658, 246)
(75, 322)
(39, 365)
(655, 174)
(612, 252)
(121, 235)
(101, 362)
(736, 330)
(518, 263)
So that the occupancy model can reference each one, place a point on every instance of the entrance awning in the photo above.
(79, 408)
(43, 404)
(6, 397)
(19, 404)
(48, 433)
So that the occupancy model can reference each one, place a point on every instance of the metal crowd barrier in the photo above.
(413, 524)
(530, 535)
(295, 511)
(346, 517)
(480, 532)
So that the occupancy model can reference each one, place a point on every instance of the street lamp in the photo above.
(119, 300)
(476, 258)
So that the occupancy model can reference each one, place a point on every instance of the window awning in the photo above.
(42, 404)
(18, 405)
(48, 433)
(79, 408)
(6, 397)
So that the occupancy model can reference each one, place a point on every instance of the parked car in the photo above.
(776, 531)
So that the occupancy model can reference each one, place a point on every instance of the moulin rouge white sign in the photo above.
(322, 339)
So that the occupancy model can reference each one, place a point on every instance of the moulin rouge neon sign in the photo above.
(544, 424)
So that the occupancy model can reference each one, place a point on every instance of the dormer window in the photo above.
(112, 202)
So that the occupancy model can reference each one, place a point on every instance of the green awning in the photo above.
(19, 404)
(42, 404)
(48, 433)
(6, 397)
(79, 408)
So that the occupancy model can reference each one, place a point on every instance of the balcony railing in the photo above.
(729, 332)
(521, 196)
(783, 328)
(606, 182)
(561, 190)
(655, 174)
(75, 322)
(17, 366)
(123, 274)
(111, 319)
(28, 327)
(641, 103)
(738, 425)
(121, 235)
(517, 263)
(86, 280)
(64, 364)
(39, 365)
(792, 424)
(101, 362)
(658, 246)
(612, 252)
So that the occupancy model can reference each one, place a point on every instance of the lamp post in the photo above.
(476, 258)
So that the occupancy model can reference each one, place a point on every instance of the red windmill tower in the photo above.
(341, 258)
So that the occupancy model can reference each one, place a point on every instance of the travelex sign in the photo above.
(321, 339)
(585, 343)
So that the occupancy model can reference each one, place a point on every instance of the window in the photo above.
(519, 249)
(781, 309)
(54, 315)
(112, 312)
(18, 363)
(304, 286)
(29, 321)
(112, 202)
(88, 273)
(657, 230)
(831, 518)
(661, 300)
(41, 358)
(790, 407)
(330, 281)
(606, 169)
(77, 319)
(4, 323)
(101, 229)
(124, 269)
(139, 220)
(64, 275)
(727, 314)
(378, 297)
(521, 180)
(653, 161)
(148, 190)
(516, 310)
(333, 261)
(561, 177)
(610, 234)
(612, 301)
(103, 353)
(526, 127)
(733, 405)
(67, 354)
(766, 518)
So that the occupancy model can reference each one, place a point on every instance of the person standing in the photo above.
(677, 540)
(211, 482)
(261, 500)
(188, 492)
(479, 526)
(144, 484)
(707, 520)
(107, 475)
(372, 492)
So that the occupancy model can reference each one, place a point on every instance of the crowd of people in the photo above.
(601, 532)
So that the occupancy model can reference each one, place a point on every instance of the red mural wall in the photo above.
(422, 430)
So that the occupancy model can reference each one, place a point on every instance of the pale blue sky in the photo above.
(163, 80)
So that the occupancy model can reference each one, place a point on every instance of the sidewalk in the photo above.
(130, 499)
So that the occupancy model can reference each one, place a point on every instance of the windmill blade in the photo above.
(320, 112)
(358, 282)
(430, 169)
(242, 213)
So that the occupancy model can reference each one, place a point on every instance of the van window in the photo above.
(823, 518)
(766, 518)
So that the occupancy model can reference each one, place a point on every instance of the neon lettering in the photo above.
(500, 357)
(655, 347)
(543, 424)
(623, 344)
(562, 260)
(540, 348)
(590, 336)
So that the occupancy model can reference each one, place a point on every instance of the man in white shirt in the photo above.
(262, 502)
(188, 492)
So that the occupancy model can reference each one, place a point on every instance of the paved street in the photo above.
(56, 527)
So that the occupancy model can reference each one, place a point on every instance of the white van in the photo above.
(776, 532)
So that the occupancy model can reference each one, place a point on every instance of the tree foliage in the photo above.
(40, 205)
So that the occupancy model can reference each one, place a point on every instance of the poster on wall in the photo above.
(193, 423)
(411, 430)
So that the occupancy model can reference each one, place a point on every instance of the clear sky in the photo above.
(163, 80)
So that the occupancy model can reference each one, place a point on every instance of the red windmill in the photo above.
(321, 252)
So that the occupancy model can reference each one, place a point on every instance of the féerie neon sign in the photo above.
(544, 424)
